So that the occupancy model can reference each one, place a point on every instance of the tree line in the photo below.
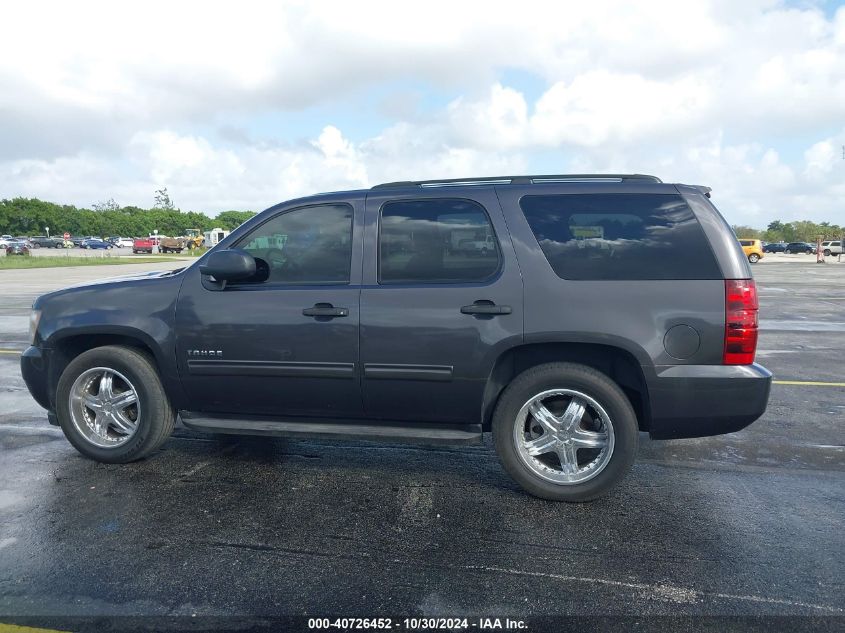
(31, 216)
(798, 231)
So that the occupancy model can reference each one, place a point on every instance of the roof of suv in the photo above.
(520, 180)
(536, 179)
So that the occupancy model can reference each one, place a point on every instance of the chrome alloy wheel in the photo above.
(104, 407)
(564, 436)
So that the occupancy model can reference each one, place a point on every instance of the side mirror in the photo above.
(228, 265)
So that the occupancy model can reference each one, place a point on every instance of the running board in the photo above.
(317, 428)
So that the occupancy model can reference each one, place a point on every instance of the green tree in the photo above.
(742, 231)
(231, 220)
(106, 205)
(162, 200)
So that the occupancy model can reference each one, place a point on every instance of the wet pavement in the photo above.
(745, 524)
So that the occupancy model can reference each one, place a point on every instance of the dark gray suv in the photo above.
(563, 313)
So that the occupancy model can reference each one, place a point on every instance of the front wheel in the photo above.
(754, 258)
(827, 252)
(112, 406)
(788, 252)
(565, 432)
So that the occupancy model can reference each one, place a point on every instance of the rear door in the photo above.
(434, 314)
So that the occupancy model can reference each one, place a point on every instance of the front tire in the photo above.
(565, 432)
(788, 252)
(111, 405)
(754, 258)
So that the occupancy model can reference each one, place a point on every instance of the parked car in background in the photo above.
(833, 247)
(753, 250)
(5, 240)
(142, 245)
(123, 242)
(799, 247)
(774, 247)
(42, 241)
(95, 243)
(77, 240)
(17, 247)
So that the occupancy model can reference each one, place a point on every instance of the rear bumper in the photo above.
(35, 369)
(702, 400)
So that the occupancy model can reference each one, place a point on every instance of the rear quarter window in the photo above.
(620, 236)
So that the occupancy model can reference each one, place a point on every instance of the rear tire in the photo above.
(787, 251)
(121, 438)
(605, 412)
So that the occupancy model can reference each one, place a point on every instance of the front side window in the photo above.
(304, 246)
(436, 241)
(620, 236)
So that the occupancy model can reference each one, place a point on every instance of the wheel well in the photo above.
(618, 364)
(65, 350)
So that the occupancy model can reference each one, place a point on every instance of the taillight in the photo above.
(740, 321)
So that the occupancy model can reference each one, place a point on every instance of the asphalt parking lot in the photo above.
(745, 524)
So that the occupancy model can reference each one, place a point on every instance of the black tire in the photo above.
(157, 417)
(827, 252)
(589, 382)
(754, 258)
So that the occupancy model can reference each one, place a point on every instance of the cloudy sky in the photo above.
(241, 105)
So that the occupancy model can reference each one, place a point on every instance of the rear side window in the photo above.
(436, 241)
(620, 236)
(746, 242)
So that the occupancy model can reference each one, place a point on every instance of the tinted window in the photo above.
(746, 242)
(436, 241)
(620, 236)
(308, 245)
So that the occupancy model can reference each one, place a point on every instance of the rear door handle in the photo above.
(485, 308)
(325, 310)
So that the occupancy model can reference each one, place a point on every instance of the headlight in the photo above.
(34, 318)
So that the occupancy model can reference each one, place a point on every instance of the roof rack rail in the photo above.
(519, 180)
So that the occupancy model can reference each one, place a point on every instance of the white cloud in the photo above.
(106, 99)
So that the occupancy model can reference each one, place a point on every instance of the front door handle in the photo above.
(485, 308)
(325, 310)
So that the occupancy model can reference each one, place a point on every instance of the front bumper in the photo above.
(702, 400)
(35, 371)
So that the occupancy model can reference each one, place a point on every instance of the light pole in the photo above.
(47, 228)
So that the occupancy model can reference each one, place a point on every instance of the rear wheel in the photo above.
(112, 406)
(787, 251)
(565, 432)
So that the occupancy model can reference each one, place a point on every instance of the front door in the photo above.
(285, 342)
(442, 299)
